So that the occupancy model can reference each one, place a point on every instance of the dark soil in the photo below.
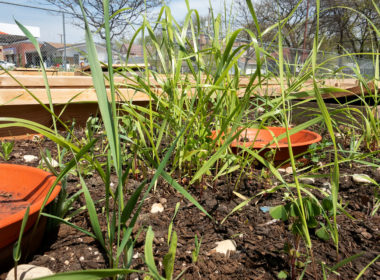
(260, 240)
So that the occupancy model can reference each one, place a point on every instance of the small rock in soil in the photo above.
(52, 162)
(326, 187)
(225, 246)
(211, 203)
(307, 180)
(36, 138)
(223, 210)
(27, 271)
(289, 170)
(269, 223)
(366, 235)
(157, 208)
(30, 158)
(361, 179)
(377, 173)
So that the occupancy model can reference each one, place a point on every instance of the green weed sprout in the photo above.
(6, 149)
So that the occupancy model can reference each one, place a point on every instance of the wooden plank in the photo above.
(19, 96)
(37, 72)
(351, 91)
(28, 112)
(79, 112)
(54, 81)
(29, 81)
(307, 111)
(63, 89)
(86, 81)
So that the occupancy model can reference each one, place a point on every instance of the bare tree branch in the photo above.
(94, 12)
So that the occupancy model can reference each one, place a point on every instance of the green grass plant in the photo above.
(17, 246)
(119, 230)
(193, 91)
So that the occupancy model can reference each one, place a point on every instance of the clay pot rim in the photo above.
(36, 205)
(259, 145)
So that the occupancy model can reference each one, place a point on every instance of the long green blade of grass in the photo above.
(101, 92)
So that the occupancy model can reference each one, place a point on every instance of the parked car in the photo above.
(7, 65)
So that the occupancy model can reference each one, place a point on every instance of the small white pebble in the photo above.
(339, 135)
(271, 222)
(90, 249)
(361, 179)
(27, 271)
(327, 185)
(36, 138)
(225, 246)
(80, 239)
(260, 110)
(326, 190)
(30, 158)
(307, 180)
(81, 258)
(157, 208)
(66, 262)
(136, 256)
(52, 162)
(289, 170)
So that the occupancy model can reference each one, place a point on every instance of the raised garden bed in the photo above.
(78, 92)
(259, 239)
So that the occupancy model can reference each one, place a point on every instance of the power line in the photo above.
(57, 11)
(37, 8)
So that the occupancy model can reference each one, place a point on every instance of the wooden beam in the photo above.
(79, 89)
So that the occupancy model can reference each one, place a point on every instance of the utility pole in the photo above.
(305, 33)
(64, 42)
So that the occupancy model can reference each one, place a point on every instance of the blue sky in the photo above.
(51, 24)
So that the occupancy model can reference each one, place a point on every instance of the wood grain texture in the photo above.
(79, 88)
(15, 101)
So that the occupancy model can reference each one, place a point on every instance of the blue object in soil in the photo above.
(265, 209)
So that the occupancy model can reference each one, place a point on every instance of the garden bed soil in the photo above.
(259, 239)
